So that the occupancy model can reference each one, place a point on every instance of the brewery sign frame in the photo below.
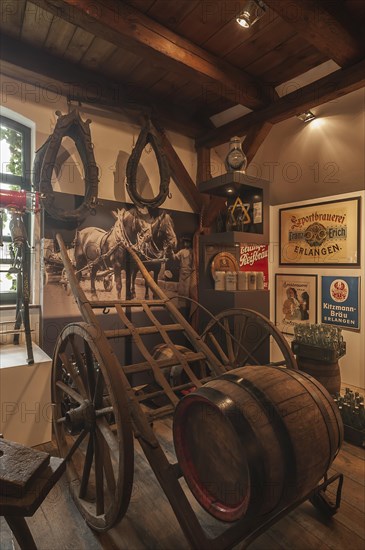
(340, 302)
(296, 300)
(323, 233)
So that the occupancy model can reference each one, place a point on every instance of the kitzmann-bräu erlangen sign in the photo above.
(322, 233)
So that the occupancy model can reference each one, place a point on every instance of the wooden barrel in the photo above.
(176, 375)
(327, 373)
(255, 440)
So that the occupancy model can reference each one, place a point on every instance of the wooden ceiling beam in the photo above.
(130, 29)
(325, 89)
(254, 139)
(59, 77)
(325, 26)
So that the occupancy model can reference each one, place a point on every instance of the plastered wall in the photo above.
(111, 134)
(317, 159)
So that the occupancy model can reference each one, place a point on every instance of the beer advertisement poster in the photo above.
(255, 257)
(295, 300)
(340, 301)
(326, 233)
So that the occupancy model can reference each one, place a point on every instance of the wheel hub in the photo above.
(81, 418)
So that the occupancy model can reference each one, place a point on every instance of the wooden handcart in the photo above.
(99, 406)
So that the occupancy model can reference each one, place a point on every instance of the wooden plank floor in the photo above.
(151, 524)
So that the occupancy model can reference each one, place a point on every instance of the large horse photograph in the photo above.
(97, 250)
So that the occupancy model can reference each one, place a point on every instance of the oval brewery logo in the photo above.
(339, 290)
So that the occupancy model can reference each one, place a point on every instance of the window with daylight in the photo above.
(15, 157)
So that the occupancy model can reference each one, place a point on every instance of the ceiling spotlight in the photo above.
(307, 116)
(252, 11)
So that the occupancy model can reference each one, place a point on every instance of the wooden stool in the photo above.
(26, 477)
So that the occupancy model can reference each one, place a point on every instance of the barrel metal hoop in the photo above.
(252, 447)
(326, 417)
(280, 429)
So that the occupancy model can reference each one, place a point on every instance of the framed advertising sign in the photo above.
(295, 300)
(325, 233)
(340, 302)
(255, 257)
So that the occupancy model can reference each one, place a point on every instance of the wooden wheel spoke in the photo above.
(242, 349)
(104, 411)
(87, 467)
(103, 427)
(99, 477)
(228, 337)
(238, 343)
(79, 361)
(221, 353)
(260, 342)
(76, 444)
(74, 375)
(245, 359)
(107, 463)
(98, 391)
(242, 328)
(90, 368)
(70, 392)
(247, 355)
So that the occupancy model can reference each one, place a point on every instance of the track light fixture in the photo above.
(252, 11)
(307, 116)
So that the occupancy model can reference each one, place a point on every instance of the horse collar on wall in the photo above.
(147, 135)
(72, 126)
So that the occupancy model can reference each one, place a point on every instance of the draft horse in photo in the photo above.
(154, 250)
(96, 249)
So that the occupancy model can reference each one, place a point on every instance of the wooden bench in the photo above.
(26, 477)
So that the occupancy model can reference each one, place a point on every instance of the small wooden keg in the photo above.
(256, 440)
(326, 372)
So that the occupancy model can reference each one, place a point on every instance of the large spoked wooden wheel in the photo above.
(91, 415)
(242, 337)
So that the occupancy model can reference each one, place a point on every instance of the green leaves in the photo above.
(14, 140)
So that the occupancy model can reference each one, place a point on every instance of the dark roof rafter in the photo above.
(325, 26)
(128, 28)
(57, 76)
(325, 89)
